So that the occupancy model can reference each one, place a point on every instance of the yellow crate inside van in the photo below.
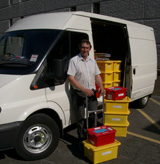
(105, 66)
(116, 83)
(108, 66)
(118, 106)
(117, 76)
(101, 153)
(116, 65)
(107, 85)
(107, 77)
(121, 129)
(118, 118)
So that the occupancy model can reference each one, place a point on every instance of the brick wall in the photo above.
(142, 11)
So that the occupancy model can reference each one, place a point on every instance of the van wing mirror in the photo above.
(56, 74)
(58, 69)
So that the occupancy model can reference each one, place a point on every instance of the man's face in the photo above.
(84, 50)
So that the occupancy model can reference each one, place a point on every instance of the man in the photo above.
(83, 72)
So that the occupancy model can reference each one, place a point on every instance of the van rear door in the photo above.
(143, 59)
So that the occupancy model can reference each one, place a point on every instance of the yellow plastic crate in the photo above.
(105, 66)
(117, 76)
(117, 118)
(116, 83)
(121, 129)
(107, 77)
(108, 66)
(117, 106)
(116, 65)
(101, 153)
(107, 85)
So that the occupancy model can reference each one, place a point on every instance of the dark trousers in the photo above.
(81, 121)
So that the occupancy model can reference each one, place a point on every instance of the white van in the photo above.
(36, 101)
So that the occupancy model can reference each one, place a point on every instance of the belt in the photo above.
(77, 90)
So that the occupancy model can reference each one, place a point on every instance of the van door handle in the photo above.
(134, 71)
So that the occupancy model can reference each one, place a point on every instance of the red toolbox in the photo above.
(115, 93)
(101, 135)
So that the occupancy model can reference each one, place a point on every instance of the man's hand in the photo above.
(88, 92)
(101, 90)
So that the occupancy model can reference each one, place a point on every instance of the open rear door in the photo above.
(143, 60)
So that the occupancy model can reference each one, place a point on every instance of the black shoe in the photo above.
(81, 146)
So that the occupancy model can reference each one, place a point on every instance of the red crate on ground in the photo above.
(115, 93)
(101, 135)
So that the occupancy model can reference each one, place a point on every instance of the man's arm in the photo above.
(99, 82)
(74, 83)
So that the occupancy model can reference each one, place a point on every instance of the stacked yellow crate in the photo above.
(101, 153)
(111, 73)
(116, 111)
(116, 115)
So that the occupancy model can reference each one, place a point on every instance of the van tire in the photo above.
(143, 102)
(38, 138)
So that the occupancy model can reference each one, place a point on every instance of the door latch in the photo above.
(134, 71)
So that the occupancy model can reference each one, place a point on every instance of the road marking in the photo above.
(143, 137)
(155, 101)
(150, 119)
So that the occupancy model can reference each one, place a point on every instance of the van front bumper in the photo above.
(8, 135)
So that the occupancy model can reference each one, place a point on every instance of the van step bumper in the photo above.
(8, 135)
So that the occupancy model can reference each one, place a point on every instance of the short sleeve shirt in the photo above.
(84, 71)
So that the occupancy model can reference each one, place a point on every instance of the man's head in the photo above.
(85, 47)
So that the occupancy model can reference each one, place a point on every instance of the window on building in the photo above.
(73, 8)
(11, 2)
(10, 22)
(96, 8)
(14, 1)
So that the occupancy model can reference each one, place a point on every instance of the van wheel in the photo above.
(143, 102)
(38, 137)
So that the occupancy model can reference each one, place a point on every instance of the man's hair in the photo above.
(85, 41)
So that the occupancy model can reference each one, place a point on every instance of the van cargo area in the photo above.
(115, 43)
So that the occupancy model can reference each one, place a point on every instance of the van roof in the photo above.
(63, 20)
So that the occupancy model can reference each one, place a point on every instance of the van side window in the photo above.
(67, 45)
(75, 39)
(58, 59)
(61, 48)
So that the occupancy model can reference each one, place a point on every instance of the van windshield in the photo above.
(22, 51)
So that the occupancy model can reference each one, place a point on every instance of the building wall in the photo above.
(142, 11)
